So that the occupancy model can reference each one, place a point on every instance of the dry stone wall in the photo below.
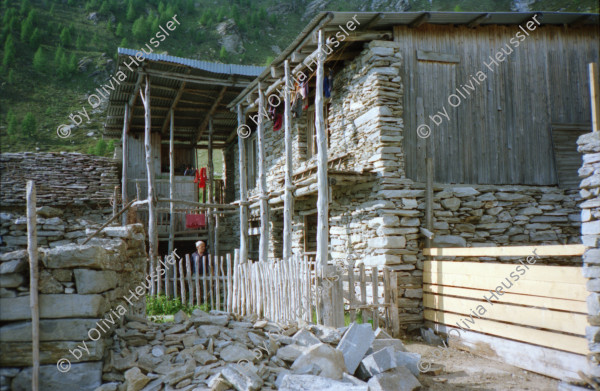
(589, 146)
(60, 178)
(83, 291)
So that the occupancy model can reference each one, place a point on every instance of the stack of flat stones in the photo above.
(60, 178)
(589, 146)
(219, 351)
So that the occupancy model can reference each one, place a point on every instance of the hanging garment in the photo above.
(305, 94)
(278, 122)
(272, 112)
(297, 108)
(200, 178)
(327, 86)
(195, 220)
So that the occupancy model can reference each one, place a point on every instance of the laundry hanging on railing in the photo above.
(195, 220)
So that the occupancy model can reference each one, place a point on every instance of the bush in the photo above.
(39, 60)
(12, 123)
(161, 305)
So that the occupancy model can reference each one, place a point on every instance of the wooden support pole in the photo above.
(115, 203)
(595, 99)
(288, 206)
(172, 183)
(32, 250)
(211, 194)
(322, 185)
(263, 247)
(152, 232)
(243, 190)
(124, 144)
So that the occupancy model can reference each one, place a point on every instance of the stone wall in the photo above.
(60, 178)
(589, 146)
(83, 291)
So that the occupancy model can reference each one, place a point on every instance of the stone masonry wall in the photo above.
(60, 178)
(82, 293)
(589, 146)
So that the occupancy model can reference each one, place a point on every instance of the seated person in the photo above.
(200, 253)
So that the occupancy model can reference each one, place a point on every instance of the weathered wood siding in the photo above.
(136, 156)
(501, 133)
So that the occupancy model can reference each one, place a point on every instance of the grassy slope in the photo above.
(51, 99)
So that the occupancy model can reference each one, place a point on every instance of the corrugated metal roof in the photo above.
(224, 69)
(388, 19)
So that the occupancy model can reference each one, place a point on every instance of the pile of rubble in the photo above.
(219, 351)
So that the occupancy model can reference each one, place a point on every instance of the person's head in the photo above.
(200, 246)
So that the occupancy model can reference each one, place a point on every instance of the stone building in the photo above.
(502, 136)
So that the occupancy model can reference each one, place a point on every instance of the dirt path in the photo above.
(465, 371)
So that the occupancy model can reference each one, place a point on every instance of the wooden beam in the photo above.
(243, 189)
(197, 79)
(554, 250)
(32, 250)
(478, 20)
(152, 231)
(297, 57)
(374, 20)
(208, 116)
(288, 208)
(276, 72)
(420, 20)
(173, 106)
(172, 180)
(263, 247)
(125, 146)
(594, 98)
(323, 186)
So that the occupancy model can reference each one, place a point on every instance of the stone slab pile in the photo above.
(82, 296)
(589, 147)
(60, 178)
(222, 351)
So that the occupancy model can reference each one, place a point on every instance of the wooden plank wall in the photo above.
(501, 133)
(543, 312)
(136, 158)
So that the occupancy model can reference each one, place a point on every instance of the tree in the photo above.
(27, 26)
(80, 43)
(131, 14)
(39, 60)
(139, 29)
(12, 76)
(100, 148)
(29, 126)
(9, 51)
(119, 32)
(223, 53)
(65, 37)
(12, 123)
(123, 43)
(63, 67)
(58, 55)
(72, 63)
(36, 38)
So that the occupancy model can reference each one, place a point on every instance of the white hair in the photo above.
(200, 241)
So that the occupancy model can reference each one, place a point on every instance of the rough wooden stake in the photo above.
(124, 144)
(211, 194)
(594, 98)
(243, 187)
(32, 250)
(263, 246)
(288, 206)
(172, 183)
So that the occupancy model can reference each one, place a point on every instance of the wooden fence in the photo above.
(527, 315)
(285, 291)
(211, 286)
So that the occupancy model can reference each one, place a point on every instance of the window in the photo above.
(311, 130)
(252, 161)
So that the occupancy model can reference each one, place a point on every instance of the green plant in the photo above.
(39, 60)
(162, 305)
(29, 125)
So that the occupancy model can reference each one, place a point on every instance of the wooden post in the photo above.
(115, 204)
(288, 206)
(594, 91)
(124, 167)
(243, 190)
(211, 196)
(172, 183)
(374, 288)
(429, 194)
(152, 233)
(263, 247)
(33, 283)
(322, 185)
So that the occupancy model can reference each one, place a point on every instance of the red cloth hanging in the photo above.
(200, 178)
(195, 220)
